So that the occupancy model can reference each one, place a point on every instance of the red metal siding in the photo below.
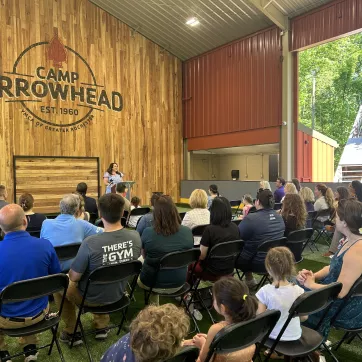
(304, 157)
(234, 88)
(331, 21)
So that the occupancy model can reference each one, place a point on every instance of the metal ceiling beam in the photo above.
(271, 9)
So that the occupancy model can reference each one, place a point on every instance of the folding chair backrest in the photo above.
(187, 354)
(67, 252)
(140, 211)
(267, 245)
(226, 250)
(315, 301)
(180, 259)
(182, 215)
(115, 272)
(33, 288)
(234, 203)
(199, 230)
(296, 241)
(278, 206)
(99, 223)
(123, 221)
(324, 213)
(238, 336)
(34, 233)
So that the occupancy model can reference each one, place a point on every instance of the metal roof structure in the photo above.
(221, 21)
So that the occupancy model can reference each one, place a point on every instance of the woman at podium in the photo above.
(112, 177)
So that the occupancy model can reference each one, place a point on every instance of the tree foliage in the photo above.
(338, 71)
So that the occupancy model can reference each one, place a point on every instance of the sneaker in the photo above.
(30, 352)
(197, 314)
(101, 334)
(67, 338)
(5, 356)
(252, 283)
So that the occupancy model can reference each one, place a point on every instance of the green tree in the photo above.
(338, 71)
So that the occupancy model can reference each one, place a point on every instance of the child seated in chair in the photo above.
(281, 294)
(233, 302)
(135, 204)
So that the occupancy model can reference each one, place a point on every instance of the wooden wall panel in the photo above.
(48, 188)
(144, 138)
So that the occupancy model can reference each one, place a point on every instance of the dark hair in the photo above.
(343, 193)
(266, 199)
(155, 196)
(82, 188)
(296, 183)
(220, 212)
(166, 219)
(26, 201)
(121, 188)
(350, 211)
(214, 189)
(111, 207)
(282, 181)
(357, 186)
(109, 169)
(234, 295)
(135, 201)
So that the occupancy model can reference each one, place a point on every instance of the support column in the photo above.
(187, 161)
(287, 137)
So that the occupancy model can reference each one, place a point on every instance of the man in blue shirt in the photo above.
(279, 192)
(65, 228)
(22, 257)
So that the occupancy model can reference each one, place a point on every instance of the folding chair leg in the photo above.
(59, 350)
(330, 353)
(124, 313)
(204, 306)
(354, 335)
(242, 275)
(85, 341)
(345, 336)
(191, 314)
(54, 333)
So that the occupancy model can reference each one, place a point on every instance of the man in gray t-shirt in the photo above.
(115, 245)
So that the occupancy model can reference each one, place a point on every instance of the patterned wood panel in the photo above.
(48, 179)
(144, 138)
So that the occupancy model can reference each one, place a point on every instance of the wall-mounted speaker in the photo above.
(235, 174)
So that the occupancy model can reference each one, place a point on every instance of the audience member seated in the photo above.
(147, 220)
(263, 225)
(90, 202)
(97, 251)
(281, 294)
(297, 184)
(156, 334)
(3, 196)
(355, 190)
(199, 215)
(82, 214)
(35, 220)
(221, 230)
(135, 204)
(248, 204)
(289, 189)
(234, 303)
(264, 185)
(345, 267)
(293, 213)
(325, 200)
(308, 197)
(167, 235)
(22, 257)
(122, 190)
(213, 192)
(279, 192)
(341, 193)
(65, 228)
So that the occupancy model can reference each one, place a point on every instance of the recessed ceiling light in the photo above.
(192, 21)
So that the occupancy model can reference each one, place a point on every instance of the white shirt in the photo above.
(321, 204)
(132, 221)
(196, 217)
(282, 299)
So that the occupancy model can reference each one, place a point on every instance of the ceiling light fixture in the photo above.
(192, 21)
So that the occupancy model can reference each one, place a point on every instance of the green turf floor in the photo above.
(313, 261)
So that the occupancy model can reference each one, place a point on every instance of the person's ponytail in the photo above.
(329, 198)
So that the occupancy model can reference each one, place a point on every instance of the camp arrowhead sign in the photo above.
(56, 88)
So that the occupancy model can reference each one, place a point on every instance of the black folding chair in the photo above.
(109, 274)
(139, 211)
(320, 227)
(93, 217)
(173, 261)
(32, 289)
(235, 203)
(99, 223)
(264, 248)
(197, 233)
(349, 333)
(187, 354)
(297, 241)
(223, 252)
(306, 304)
(34, 232)
(238, 336)
(311, 217)
(182, 215)
(67, 252)
(277, 206)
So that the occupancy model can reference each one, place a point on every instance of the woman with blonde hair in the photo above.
(308, 197)
(264, 185)
(293, 213)
(156, 334)
(199, 215)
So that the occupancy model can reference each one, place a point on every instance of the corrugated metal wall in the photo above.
(330, 21)
(304, 156)
(234, 88)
